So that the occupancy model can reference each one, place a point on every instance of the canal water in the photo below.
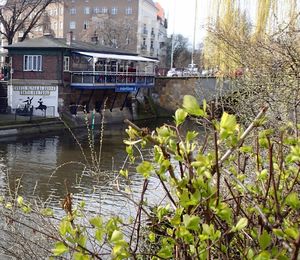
(43, 164)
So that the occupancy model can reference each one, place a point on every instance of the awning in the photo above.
(116, 56)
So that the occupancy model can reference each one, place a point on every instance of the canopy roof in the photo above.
(115, 56)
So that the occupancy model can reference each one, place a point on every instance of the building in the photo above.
(55, 75)
(135, 25)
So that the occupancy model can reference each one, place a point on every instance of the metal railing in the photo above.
(110, 78)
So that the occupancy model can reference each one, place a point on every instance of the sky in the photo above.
(181, 17)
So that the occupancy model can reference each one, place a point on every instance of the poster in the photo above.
(41, 100)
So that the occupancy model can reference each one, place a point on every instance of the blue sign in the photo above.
(126, 89)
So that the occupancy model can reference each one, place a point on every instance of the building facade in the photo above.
(136, 25)
(55, 75)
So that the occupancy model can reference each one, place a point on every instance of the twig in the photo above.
(244, 135)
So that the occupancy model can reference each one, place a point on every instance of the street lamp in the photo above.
(194, 35)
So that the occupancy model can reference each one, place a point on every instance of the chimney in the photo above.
(69, 38)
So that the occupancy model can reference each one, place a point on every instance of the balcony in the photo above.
(118, 81)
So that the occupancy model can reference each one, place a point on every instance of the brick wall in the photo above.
(169, 92)
(51, 68)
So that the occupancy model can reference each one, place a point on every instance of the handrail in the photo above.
(112, 77)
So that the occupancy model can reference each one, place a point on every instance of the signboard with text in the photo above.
(43, 99)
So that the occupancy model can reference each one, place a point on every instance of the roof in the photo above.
(49, 42)
(160, 11)
(116, 56)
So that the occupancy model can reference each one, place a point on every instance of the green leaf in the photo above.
(47, 212)
(164, 131)
(180, 116)
(292, 232)
(96, 222)
(99, 234)
(293, 200)
(246, 149)
(116, 236)
(60, 249)
(191, 135)
(26, 209)
(242, 223)
(225, 213)
(145, 168)
(191, 106)
(227, 125)
(165, 252)
(80, 256)
(64, 227)
(191, 222)
(264, 240)
(8, 205)
(264, 255)
(124, 173)
(152, 237)
(20, 200)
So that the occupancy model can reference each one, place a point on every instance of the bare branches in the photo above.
(21, 16)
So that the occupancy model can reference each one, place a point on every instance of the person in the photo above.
(41, 106)
(97, 68)
(28, 102)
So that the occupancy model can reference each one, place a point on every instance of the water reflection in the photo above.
(43, 164)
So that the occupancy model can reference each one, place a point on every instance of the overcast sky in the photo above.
(181, 17)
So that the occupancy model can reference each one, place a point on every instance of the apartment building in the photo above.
(135, 25)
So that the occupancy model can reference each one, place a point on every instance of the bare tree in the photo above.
(181, 53)
(111, 31)
(21, 16)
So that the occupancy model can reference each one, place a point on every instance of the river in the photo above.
(43, 163)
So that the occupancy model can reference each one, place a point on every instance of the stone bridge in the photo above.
(169, 92)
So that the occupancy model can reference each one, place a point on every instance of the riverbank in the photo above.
(11, 125)
(20, 126)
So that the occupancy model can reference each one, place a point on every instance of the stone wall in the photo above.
(169, 92)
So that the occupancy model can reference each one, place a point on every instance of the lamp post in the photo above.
(194, 35)
(172, 43)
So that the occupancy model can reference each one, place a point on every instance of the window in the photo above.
(55, 26)
(61, 25)
(151, 45)
(32, 63)
(128, 11)
(145, 31)
(54, 12)
(114, 10)
(86, 10)
(97, 10)
(66, 63)
(85, 25)
(104, 10)
(72, 10)
(61, 11)
(72, 25)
